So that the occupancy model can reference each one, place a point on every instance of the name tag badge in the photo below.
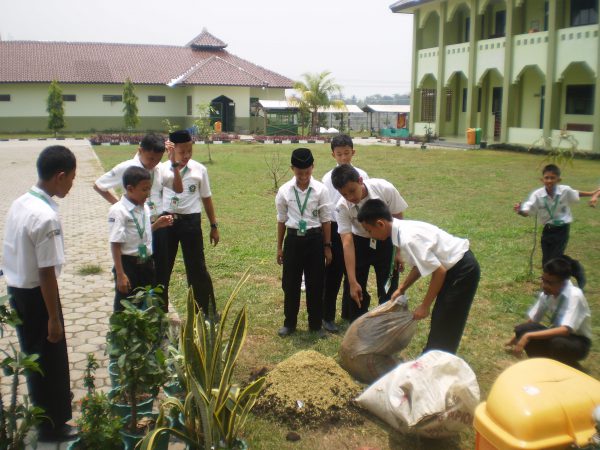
(301, 228)
(373, 244)
(174, 202)
(152, 207)
(142, 253)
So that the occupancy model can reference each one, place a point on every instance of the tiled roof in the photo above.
(207, 41)
(406, 5)
(78, 62)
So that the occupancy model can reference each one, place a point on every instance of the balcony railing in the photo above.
(457, 60)
(576, 44)
(490, 55)
(427, 61)
(528, 50)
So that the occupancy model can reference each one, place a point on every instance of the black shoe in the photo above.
(330, 326)
(61, 434)
(285, 331)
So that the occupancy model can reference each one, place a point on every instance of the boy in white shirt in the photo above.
(342, 150)
(430, 250)
(567, 338)
(360, 251)
(303, 218)
(33, 256)
(186, 209)
(130, 235)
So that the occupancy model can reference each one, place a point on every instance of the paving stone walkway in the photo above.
(86, 299)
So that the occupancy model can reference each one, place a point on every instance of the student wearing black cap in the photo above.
(186, 208)
(304, 219)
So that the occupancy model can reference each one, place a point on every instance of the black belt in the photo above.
(551, 226)
(309, 232)
(137, 260)
(177, 216)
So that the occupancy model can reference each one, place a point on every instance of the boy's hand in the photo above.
(163, 221)
(170, 147)
(356, 293)
(398, 263)
(593, 202)
(279, 256)
(420, 312)
(123, 284)
(55, 331)
(214, 236)
(328, 256)
(520, 345)
(517, 207)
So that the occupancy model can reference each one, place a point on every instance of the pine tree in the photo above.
(55, 108)
(130, 105)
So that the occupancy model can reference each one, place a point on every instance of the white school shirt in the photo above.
(573, 312)
(33, 239)
(540, 203)
(426, 246)
(123, 230)
(317, 210)
(334, 194)
(376, 188)
(196, 186)
(160, 179)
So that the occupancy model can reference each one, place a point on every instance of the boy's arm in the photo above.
(327, 240)
(123, 284)
(435, 286)
(350, 261)
(594, 198)
(519, 211)
(539, 335)
(212, 218)
(49, 288)
(177, 182)
(280, 235)
(106, 195)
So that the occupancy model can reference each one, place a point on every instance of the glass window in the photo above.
(69, 98)
(584, 12)
(428, 105)
(112, 98)
(4, 97)
(188, 100)
(580, 99)
(157, 99)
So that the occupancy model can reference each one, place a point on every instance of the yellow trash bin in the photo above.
(471, 136)
(537, 404)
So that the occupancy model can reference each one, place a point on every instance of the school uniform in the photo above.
(160, 179)
(303, 212)
(186, 209)
(555, 214)
(569, 309)
(129, 225)
(335, 271)
(370, 252)
(427, 248)
(33, 239)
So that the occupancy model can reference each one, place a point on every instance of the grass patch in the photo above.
(89, 269)
(467, 193)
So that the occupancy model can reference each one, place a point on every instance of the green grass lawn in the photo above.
(467, 193)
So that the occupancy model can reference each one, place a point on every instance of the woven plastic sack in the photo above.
(370, 343)
(434, 396)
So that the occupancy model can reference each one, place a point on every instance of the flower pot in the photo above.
(124, 409)
(74, 445)
(174, 389)
(113, 373)
(130, 440)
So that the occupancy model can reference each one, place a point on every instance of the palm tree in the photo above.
(315, 92)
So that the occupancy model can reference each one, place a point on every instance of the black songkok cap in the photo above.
(180, 136)
(302, 158)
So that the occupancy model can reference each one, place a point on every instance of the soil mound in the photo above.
(309, 389)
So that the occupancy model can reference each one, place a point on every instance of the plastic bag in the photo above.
(368, 348)
(433, 396)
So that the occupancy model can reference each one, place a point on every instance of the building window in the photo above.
(478, 99)
(500, 24)
(4, 97)
(112, 98)
(584, 12)
(428, 105)
(464, 100)
(189, 105)
(580, 99)
(254, 106)
(157, 99)
(467, 33)
(449, 94)
(69, 98)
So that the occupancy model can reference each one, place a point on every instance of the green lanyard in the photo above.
(552, 210)
(140, 228)
(303, 207)
(184, 171)
(40, 196)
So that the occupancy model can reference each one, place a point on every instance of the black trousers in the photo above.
(303, 254)
(186, 229)
(365, 257)
(140, 275)
(566, 349)
(554, 241)
(334, 274)
(452, 305)
(52, 389)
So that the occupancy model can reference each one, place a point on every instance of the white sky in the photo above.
(365, 46)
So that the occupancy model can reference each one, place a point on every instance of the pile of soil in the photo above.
(309, 389)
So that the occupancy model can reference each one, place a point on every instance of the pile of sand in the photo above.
(309, 389)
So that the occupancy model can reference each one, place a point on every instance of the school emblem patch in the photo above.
(192, 188)
(315, 212)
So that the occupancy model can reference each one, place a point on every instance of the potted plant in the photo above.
(134, 342)
(16, 419)
(215, 409)
(98, 426)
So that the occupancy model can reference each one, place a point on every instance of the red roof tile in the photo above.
(206, 40)
(78, 62)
